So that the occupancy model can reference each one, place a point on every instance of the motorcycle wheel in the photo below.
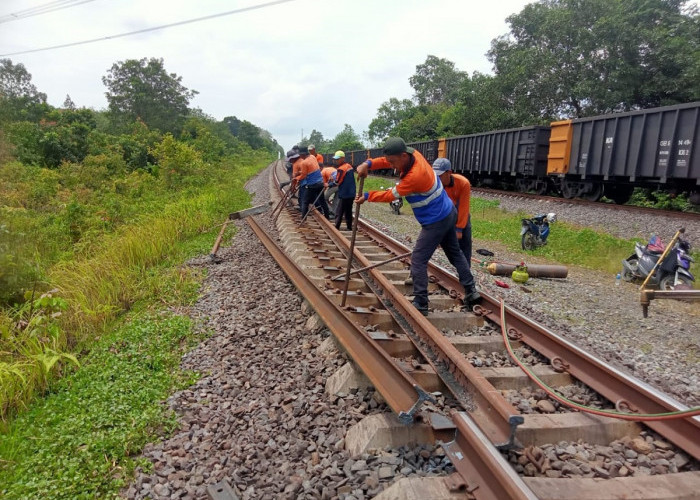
(667, 282)
(528, 241)
(629, 274)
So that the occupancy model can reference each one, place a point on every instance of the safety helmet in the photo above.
(551, 217)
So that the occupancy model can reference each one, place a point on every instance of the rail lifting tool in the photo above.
(352, 243)
(241, 214)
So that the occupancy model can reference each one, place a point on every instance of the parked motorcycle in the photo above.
(673, 271)
(396, 206)
(534, 231)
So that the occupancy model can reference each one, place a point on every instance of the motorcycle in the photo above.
(534, 231)
(396, 206)
(673, 271)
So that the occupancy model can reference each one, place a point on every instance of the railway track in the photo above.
(690, 216)
(414, 361)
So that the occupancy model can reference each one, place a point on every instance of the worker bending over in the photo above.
(433, 209)
(459, 189)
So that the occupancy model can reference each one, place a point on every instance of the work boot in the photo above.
(422, 308)
(471, 296)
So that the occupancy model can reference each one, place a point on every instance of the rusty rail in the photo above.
(618, 387)
(400, 390)
(487, 474)
(494, 415)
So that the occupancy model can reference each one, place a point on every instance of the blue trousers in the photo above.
(440, 233)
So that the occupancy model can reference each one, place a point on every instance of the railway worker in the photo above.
(330, 186)
(288, 167)
(318, 156)
(459, 189)
(433, 209)
(310, 183)
(345, 179)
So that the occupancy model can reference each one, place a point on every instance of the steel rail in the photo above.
(487, 473)
(483, 471)
(495, 416)
(399, 389)
(620, 388)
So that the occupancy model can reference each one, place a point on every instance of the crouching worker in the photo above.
(433, 209)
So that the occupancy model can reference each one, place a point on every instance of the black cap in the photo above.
(395, 146)
(303, 150)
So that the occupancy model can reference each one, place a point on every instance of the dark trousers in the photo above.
(465, 244)
(311, 193)
(344, 209)
(431, 235)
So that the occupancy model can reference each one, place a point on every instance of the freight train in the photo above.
(589, 158)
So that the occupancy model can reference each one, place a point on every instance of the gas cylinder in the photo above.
(520, 274)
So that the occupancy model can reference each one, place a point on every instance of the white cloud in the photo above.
(307, 64)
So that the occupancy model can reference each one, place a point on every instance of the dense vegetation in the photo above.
(91, 200)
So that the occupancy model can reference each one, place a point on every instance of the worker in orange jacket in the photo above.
(318, 156)
(433, 209)
(459, 189)
(331, 187)
(310, 183)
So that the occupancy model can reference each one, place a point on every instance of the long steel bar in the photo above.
(352, 244)
(400, 390)
(608, 381)
(494, 415)
(378, 264)
(487, 473)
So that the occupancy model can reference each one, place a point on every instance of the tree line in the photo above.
(144, 102)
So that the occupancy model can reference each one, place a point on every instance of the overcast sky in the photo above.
(304, 64)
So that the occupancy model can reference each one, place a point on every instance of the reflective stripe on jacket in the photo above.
(420, 186)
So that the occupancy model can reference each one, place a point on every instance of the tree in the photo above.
(389, 115)
(565, 58)
(346, 140)
(481, 106)
(142, 89)
(68, 103)
(436, 81)
(315, 138)
(19, 98)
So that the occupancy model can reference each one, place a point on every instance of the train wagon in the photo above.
(612, 154)
(514, 158)
(585, 157)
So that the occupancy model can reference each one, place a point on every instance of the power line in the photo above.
(41, 9)
(146, 30)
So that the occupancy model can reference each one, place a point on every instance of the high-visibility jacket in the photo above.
(459, 190)
(328, 174)
(420, 186)
(309, 172)
(319, 158)
(346, 181)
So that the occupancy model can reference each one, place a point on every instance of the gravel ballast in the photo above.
(260, 419)
(586, 307)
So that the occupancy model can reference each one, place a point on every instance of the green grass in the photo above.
(80, 440)
(108, 269)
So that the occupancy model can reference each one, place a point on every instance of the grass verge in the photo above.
(568, 244)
